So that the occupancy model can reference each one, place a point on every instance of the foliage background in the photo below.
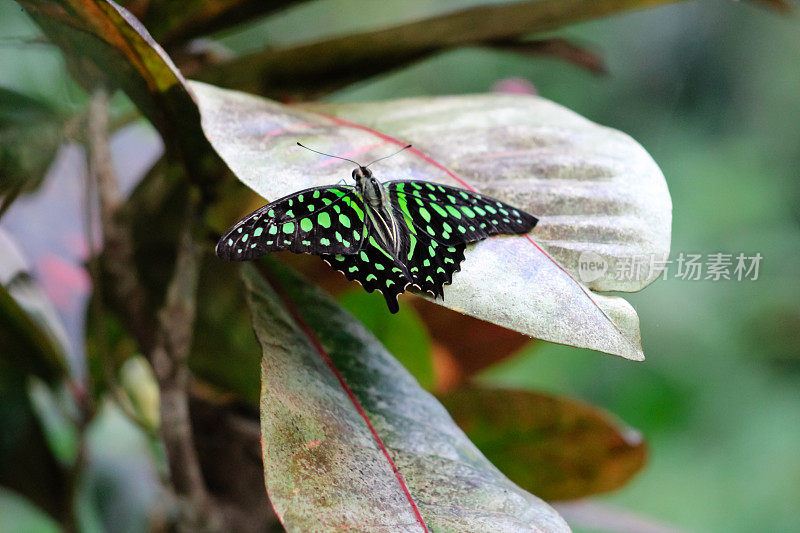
(710, 90)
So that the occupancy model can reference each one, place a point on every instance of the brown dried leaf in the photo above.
(558, 448)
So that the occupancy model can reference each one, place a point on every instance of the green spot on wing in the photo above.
(411, 246)
(306, 225)
(453, 211)
(324, 220)
(439, 210)
(425, 214)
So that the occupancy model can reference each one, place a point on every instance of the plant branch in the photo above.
(167, 338)
(169, 359)
(117, 242)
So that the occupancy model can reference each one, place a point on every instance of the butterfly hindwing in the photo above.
(374, 269)
(451, 216)
(320, 220)
(432, 265)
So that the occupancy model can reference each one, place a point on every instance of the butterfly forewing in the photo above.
(320, 220)
(451, 216)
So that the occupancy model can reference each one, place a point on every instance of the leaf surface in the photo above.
(595, 190)
(32, 336)
(18, 514)
(351, 442)
(30, 132)
(330, 63)
(106, 44)
(176, 22)
(558, 448)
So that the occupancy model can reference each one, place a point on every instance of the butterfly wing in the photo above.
(452, 216)
(320, 220)
(375, 269)
(441, 220)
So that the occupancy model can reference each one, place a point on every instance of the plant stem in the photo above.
(176, 320)
(117, 242)
(166, 339)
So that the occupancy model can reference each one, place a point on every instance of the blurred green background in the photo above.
(711, 90)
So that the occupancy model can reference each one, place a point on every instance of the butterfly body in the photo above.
(386, 235)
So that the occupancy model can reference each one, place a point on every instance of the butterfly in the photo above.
(386, 235)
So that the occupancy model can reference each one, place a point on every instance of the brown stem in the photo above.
(117, 242)
(168, 339)
(169, 359)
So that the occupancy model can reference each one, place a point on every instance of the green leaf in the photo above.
(106, 43)
(403, 334)
(595, 189)
(31, 334)
(174, 22)
(52, 409)
(328, 64)
(558, 448)
(33, 445)
(30, 133)
(335, 407)
(18, 514)
(27, 463)
(223, 327)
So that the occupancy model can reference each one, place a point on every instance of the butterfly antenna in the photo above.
(390, 155)
(329, 155)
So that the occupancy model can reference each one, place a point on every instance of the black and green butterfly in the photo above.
(387, 236)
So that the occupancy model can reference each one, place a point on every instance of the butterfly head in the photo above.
(361, 174)
(368, 186)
